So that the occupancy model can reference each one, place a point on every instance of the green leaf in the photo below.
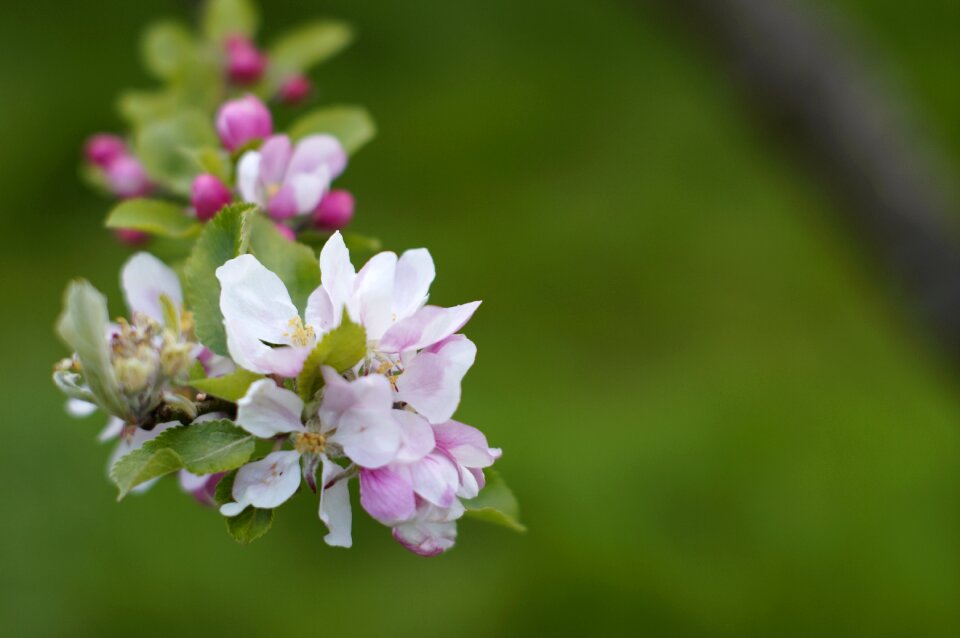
(230, 387)
(212, 160)
(168, 49)
(140, 107)
(496, 504)
(201, 448)
(160, 146)
(295, 264)
(341, 349)
(222, 239)
(153, 216)
(357, 244)
(248, 525)
(304, 47)
(223, 18)
(352, 125)
(83, 327)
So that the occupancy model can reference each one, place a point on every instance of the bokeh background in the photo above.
(716, 410)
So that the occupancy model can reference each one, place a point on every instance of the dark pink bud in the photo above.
(126, 177)
(102, 148)
(294, 90)
(286, 231)
(131, 237)
(243, 120)
(245, 63)
(208, 195)
(334, 211)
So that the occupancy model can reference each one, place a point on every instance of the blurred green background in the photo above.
(716, 415)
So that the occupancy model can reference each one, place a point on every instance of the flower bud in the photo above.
(133, 373)
(126, 177)
(334, 211)
(286, 231)
(295, 89)
(208, 196)
(245, 64)
(131, 237)
(176, 358)
(102, 149)
(243, 120)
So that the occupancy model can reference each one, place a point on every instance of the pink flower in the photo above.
(245, 63)
(102, 149)
(242, 121)
(289, 181)
(208, 195)
(334, 211)
(127, 178)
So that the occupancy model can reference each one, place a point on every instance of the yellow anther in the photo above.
(312, 442)
(299, 334)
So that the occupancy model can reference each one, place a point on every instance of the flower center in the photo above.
(311, 442)
(299, 334)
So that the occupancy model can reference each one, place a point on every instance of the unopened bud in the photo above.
(127, 178)
(208, 196)
(102, 149)
(334, 211)
(133, 374)
(242, 121)
(295, 89)
(245, 63)
(131, 237)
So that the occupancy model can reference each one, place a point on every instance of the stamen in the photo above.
(299, 334)
(312, 442)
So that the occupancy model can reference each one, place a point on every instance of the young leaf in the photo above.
(153, 216)
(305, 47)
(223, 18)
(202, 448)
(211, 160)
(83, 327)
(230, 387)
(159, 145)
(295, 264)
(168, 49)
(341, 349)
(223, 238)
(352, 125)
(496, 504)
(251, 523)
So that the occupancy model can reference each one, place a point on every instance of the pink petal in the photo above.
(316, 151)
(426, 327)
(431, 381)
(274, 158)
(415, 272)
(417, 438)
(143, 279)
(466, 444)
(435, 479)
(267, 410)
(387, 495)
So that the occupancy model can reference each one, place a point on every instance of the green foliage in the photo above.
(168, 50)
(496, 503)
(160, 145)
(201, 448)
(209, 159)
(352, 125)
(360, 246)
(230, 387)
(83, 327)
(248, 525)
(304, 47)
(295, 264)
(341, 349)
(153, 216)
(223, 18)
(223, 238)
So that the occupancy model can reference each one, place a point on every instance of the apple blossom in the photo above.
(242, 121)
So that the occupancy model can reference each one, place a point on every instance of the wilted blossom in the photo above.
(242, 121)
(289, 180)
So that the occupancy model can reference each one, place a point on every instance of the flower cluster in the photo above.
(258, 368)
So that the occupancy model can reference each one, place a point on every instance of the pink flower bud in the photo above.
(243, 120)
(334, 211)
(208, 196)
(245, 63)
(131, 237)
(295, 89)
(102, 148)
(286, 231)
(126, 177)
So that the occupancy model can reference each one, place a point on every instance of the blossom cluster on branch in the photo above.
(249, 365)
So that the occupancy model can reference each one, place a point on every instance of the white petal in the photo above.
(143, 279)
(427, 326)
(337, 274)
(79, 408)
(248, 176)
(370, 438)
(335, 509)
(267, 410)
(431, 382)
(267, 483)
(371, 393)
(436, 479)
(308, 188)
(319, 313)
(190, 482)
(415, 273)
(374, 293)
(417, 438)
(111, 430)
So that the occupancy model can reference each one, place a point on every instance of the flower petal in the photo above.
(335, 509)
(267, 410)
(373, 290)
(274, 160)
(432, 531)
(265, 484)
(415, 273)
(387, 495)
(361, 411)
(337, 274)
(283, 204)
(416, 436)
(431, 381)
(315, 151)
(143, 279)
(436, 479)
(308, 188)
(248, 178)
(466, 444)
(78, 408)
(426, 327)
